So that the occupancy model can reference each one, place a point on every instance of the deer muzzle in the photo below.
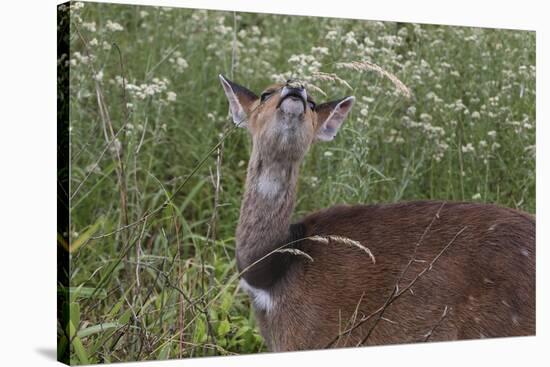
(295, 93)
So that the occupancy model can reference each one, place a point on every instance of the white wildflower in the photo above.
(115, 146)
(331, 35)
(81, 58)
(113, 26)
(182, 63)
(94, 167)
(171, 96)
(89, 26)
(425, 117)
(99, 76)
(319, 50)
(468, 148)
(222, 29)
(349, 39)
(314, 181)
(255, 30)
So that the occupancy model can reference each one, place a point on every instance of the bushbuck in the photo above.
(368, 274)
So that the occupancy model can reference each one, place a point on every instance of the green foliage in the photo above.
(153, 272)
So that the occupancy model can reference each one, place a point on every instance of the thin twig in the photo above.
(429, 334)
(413, 256)
(354, 316)
(181, 309)
(138, 254)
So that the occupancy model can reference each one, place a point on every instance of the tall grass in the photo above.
(155, 202)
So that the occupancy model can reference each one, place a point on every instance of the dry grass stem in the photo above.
(330, 77)
(295, 251)
(352, 243)
(320, 239)
(345, 241)
(369, 66)
(312, 86)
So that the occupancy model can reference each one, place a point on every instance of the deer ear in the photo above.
(240, 100)
(331, 115)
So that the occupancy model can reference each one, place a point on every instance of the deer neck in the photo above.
(266, 211)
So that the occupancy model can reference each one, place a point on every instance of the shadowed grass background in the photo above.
(146, 108)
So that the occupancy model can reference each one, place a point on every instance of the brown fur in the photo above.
(484, 275)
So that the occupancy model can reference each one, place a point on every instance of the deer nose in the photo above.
(298, 91)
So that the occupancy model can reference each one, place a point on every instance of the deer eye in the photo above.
(311, 105)
(265, 95)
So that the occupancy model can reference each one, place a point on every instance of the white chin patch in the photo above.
(292, 106)
(261, 298)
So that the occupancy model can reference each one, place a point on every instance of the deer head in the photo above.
(284, 121)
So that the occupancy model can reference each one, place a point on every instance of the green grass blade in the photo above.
(78, 347)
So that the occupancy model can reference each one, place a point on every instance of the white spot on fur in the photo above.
(492, 228)
(524, 252)
(488, 281)
(515, 320)
(268, 186)
(506, 303)
(261, 298)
